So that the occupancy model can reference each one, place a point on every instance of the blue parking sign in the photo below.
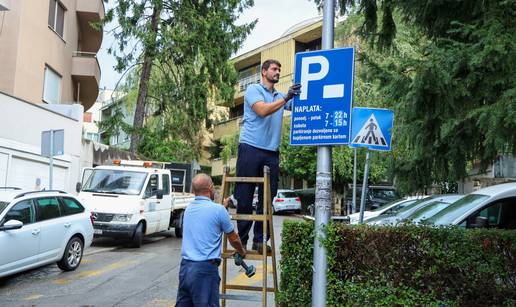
(321, 113)
(372, 128)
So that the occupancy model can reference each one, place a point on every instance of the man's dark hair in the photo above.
(268, 63)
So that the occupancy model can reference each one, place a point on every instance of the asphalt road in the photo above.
(113, 275)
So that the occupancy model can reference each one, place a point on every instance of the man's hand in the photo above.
(293, 90)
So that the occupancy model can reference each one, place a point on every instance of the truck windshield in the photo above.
(115, 182)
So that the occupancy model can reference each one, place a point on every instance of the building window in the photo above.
(56, 15)
(248, 76)
(51, 86)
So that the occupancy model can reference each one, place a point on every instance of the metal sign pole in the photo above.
(364, 188)
(354, 202)
(50, 176)
(323, 183)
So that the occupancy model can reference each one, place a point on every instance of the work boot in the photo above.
(258, 246)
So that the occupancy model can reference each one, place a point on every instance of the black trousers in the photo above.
(250, 163)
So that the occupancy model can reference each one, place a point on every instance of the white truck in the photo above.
(131, 199)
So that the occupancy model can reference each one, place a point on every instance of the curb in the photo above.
(101, 250)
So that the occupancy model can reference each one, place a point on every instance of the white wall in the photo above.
(21, 124)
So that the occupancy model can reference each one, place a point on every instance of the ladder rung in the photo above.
(251, 255)
(245, 179)
(249, 217)
(236, 297)
(248, 288)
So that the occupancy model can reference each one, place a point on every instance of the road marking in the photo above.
(93, 251)
(160, 302)
(33, 297)
(243, 280)
(95, 273)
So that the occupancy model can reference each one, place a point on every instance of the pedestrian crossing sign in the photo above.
(371, 128)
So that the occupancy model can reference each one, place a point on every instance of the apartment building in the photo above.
(48, 50)
(305, 36)
(49, 75)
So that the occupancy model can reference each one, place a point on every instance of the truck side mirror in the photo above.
(78, 187)
(159, 194)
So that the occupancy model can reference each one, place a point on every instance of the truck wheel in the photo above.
(137, 236)
(179, 228)
(72, 255)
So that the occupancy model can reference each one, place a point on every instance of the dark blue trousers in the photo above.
(198, 284)
(250, 163)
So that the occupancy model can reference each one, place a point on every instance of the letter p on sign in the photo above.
(329, 90)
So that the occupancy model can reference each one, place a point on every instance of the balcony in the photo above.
(86, 77)
(227, 127)
(90, 11)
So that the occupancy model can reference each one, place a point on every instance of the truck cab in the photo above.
(128, 200)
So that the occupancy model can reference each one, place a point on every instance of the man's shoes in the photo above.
(258, 246)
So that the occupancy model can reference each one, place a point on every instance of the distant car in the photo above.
(390, 207)
(491, 207)
(41, 227)
(401, 215)
(286, 200)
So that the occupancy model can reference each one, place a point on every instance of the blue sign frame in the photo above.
(372, 128)
(321, 113)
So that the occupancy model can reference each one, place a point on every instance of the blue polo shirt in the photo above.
(203, 224)
(257, 131)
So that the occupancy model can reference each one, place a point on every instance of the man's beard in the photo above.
(271, 80)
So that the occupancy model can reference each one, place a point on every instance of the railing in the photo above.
(84, 54)
(245, 82)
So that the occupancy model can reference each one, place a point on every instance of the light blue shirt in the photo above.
(257, 131)
(203, 224)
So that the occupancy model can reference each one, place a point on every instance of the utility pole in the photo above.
(323, 183)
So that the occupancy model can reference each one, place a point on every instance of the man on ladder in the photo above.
(259, 143)
(204, 222)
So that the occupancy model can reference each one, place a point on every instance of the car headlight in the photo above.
(122, 217)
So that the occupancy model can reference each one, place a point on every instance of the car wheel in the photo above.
(72, 255)
(179, 229)
(137, 236)
(274, 210)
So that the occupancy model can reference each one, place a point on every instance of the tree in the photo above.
(181, 50)
(447, 68)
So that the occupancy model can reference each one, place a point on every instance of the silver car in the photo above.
(491, 207)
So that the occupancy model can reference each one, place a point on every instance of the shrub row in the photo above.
(408, 265)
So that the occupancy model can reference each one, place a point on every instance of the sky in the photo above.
(274, 18)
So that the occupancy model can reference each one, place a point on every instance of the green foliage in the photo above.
(189, 47)
(399, 266)
(229, 146)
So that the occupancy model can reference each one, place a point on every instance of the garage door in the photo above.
(23, 173)
(4, 159)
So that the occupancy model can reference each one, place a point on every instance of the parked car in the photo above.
(286, 200)
(41, 227)
(491, 207)
(401, 215)
(387, 209)
(428, 211)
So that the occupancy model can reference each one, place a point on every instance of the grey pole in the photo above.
(364, 188)
(323, 184)
(50, 175)
(354, 202)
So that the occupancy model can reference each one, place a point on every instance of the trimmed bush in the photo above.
(408, 265)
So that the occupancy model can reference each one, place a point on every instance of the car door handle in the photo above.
(35, 232)
(67, 225)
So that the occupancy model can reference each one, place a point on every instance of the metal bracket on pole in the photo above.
(364, 188)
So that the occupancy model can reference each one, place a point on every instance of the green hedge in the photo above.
(409, 265)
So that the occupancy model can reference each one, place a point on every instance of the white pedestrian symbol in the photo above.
(370, 133)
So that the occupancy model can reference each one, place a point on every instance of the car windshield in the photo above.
(3, 205)
(427, 211)
(384, 194)
(115, 182)
(457, 209)
(401, 204)
(287, 194)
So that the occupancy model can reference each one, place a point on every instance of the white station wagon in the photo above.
(42, 227)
